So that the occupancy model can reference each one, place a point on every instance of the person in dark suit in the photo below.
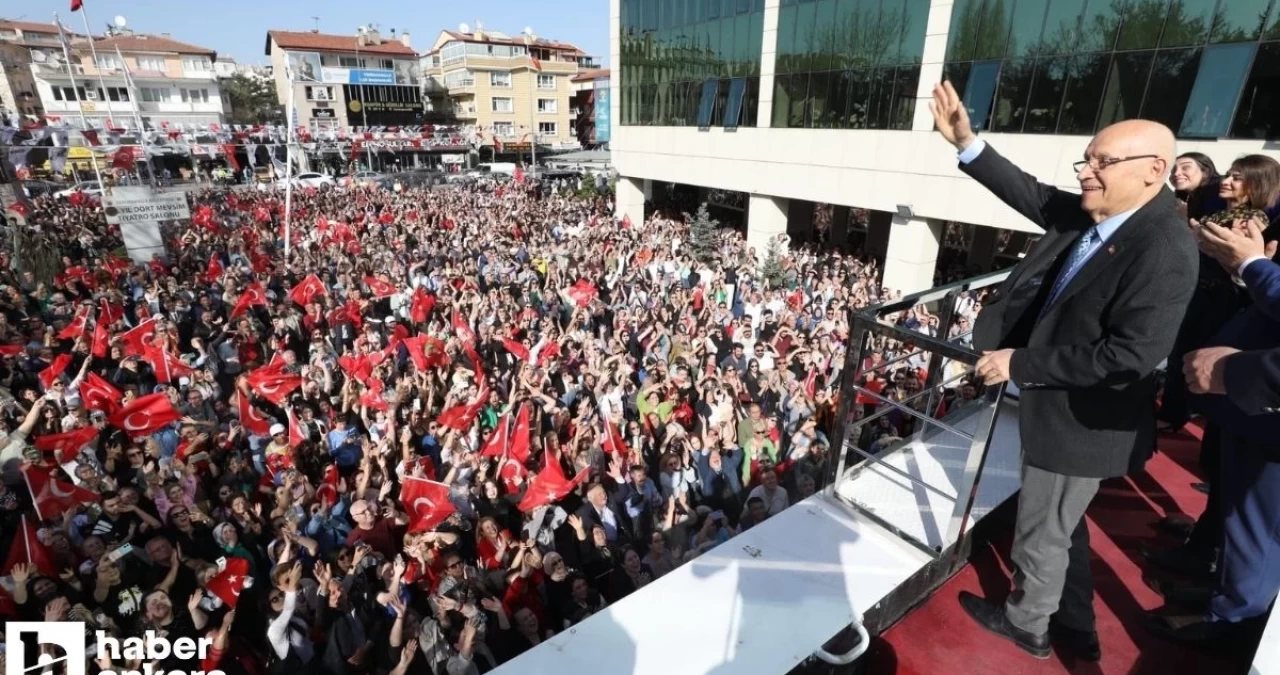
(1238, 378)
(1079, 326)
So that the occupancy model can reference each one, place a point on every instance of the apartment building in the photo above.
(515, 88)
(810, 117)
(154, 79)
(364, 79)
(18, 95)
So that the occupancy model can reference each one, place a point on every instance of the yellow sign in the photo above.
(354, 106)
(89, 106)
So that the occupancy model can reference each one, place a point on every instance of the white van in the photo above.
(508, 168)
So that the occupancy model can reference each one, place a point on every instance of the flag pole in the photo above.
(137, 119)
(288, 169)
(97, 65)
(75, 87)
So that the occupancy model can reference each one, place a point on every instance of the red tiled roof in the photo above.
(141, 42)
(492, 39)
(31, 27)
(319, 42)
(593, 74)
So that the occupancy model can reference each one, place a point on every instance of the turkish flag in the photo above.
(421, 306)
(549, 486)
(25, 549)
(460, 417)
(136, 339)
(51, 373)
(513, 474)
(76, 328)
(521, 435)
(145, 415)
(68, 442)
(11, 350)
(215, 269)
(116, 266)
(462, 330)
(327, 493)
(76, 5)
(101, 338)
(496, 444)
(167, 366)
(307, 290)
(426, 502)
(98, 394)
(380, 288)
(251, 418)
(517, 350)
(613, 443)
(227, 584)
(251, 296)
(274, 387)
(582, 293)
(297, 436)
(109, 312)
(53, 497)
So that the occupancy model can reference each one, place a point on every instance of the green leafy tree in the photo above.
(702, 234)
(253, 100)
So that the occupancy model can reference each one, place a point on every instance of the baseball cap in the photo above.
(277, 429)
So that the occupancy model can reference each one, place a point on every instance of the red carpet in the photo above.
(938, 637)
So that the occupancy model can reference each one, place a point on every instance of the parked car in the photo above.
(312, 180)
(38, 188)
(362, 178)
(89, 187)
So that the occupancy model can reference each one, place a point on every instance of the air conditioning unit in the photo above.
(90, 95)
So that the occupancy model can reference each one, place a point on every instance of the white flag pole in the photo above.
(75, 87)
(288, 169)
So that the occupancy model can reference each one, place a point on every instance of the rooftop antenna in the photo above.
(316, 28)
(119, 21)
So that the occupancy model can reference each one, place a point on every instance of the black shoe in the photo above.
(1083, 644)
(1178, 525)
(1193, 596)
(993, 618)
(1200, 487)
(1199, 630)
(1179, 560)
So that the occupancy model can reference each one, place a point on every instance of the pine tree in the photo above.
(774, 275)
(702, 235)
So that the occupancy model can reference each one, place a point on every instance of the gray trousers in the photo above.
(1051, 553)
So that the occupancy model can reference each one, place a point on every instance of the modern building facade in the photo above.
(516, 89)
(137, 79)
(364, 79)
(590, 107)
(812, 115)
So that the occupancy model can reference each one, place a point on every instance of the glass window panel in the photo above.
(1126, 83)
(1172, 76)
(752, 102)
(915, 22)
(838, 99)
(957, 74)
(880, 106)
(781, 101)
(713, 9)
(1188, 23)
(786, 39)
(1010, 108)
(993, 34)
(1046, 95)
(796, 113)
(722, 100)
(890, 28)
(1238, 20)
(870, 43)
(806, 40)
(845, 23)
(707, 102)
(828, 40)
(962, 39)
(755, 36)
(1273, 27)
(1223, 69)
(1141, 24)
(742, 44)
(979, 91)
(1028, 20)
(904, 94)
(860, 86)
(819, 110)
(1258, 115)
(1062, 26)
(733, 111)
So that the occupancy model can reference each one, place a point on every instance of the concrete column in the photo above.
(839, 237)
(878, 225)
(983, 249)
(766, 218)
(768, 55)
(630, 199)
(647, 188)
(800, 213)
(913, 254)
(935, 48)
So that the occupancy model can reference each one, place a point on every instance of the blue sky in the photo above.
(238, 27)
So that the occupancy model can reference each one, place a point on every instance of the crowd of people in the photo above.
(429, 431)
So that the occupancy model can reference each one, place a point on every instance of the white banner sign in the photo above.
(138, 211)
(453, 159)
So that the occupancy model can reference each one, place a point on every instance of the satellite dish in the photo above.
(528, 30)
(119, 21)
(464, 28)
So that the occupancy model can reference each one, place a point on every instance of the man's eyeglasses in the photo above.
(1100, 164)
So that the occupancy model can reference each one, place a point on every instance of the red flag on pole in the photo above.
(251, 418)
(68, 442)
(421, 306)
(137, 338)
(521, 435)
(101, 337)
(517, 350)
(252, 296)
(76, 5)
(26, 549)
(53, 497)
(231, 581)
(380, 288)
(296, 435)
(215, 269)
(51, 373)
(426, 502)
(98, 394)
(146, 414)
(307, 290)
(496, 444)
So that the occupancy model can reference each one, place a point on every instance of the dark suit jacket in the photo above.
(1250, 410)
(1086, 366)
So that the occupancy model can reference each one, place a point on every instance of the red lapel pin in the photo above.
(1111, 249)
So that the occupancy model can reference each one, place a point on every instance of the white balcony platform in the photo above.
(764, 601)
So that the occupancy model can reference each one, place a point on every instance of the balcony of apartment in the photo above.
(462, 87)
(467, 111)
(557, 67)
(212, 106)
